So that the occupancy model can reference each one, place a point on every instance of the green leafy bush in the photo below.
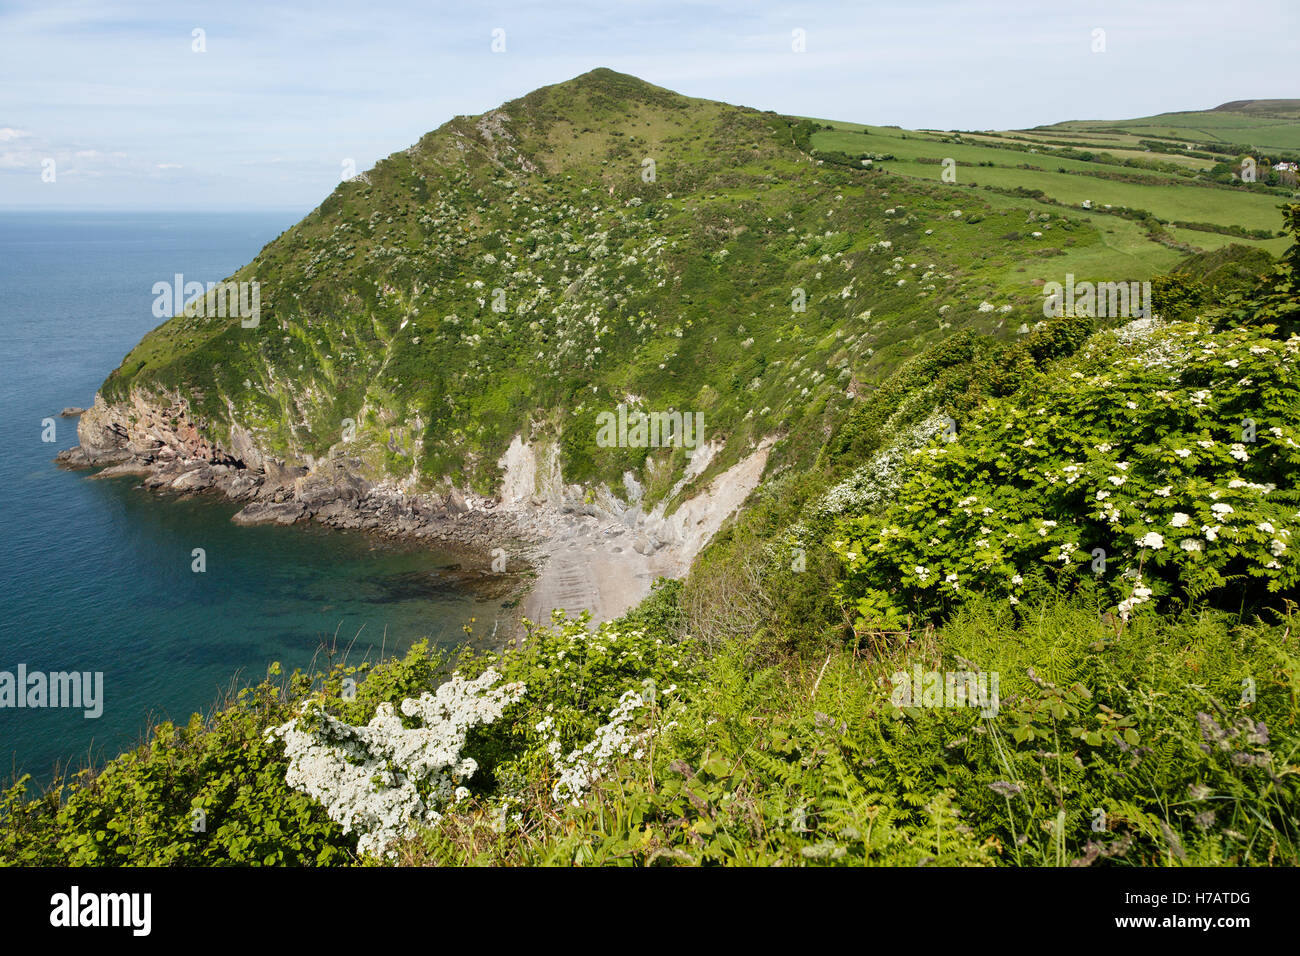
(209, 793)
(1157, 462)
(574, 677)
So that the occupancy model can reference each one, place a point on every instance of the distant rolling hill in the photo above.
(1266, 125)
(1156, 187)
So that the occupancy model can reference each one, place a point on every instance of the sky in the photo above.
(236, 105)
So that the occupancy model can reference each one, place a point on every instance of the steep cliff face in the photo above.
(145, 427)
(595, 551)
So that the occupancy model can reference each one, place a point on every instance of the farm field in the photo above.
(1268, 124)
(1119, 170)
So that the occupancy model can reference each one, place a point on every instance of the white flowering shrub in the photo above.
(578, 770)
(1158, 462)
(878, 480)
(381, 779)
(590, 695)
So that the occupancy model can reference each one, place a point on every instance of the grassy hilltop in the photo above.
(1266, 126)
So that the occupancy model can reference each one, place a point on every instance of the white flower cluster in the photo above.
(1140, 594)
(580, 769)
(877, 480)
(1153, 540)
(379, 779)
(1139, 331)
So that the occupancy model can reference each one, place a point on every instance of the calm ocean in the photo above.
(96, 575)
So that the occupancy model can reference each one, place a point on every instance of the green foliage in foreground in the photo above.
(1170, 741)
(214, 792)
(1137, 748)
(210, 793)
(1158, 461)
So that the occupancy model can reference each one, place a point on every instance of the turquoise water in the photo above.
(96, 575)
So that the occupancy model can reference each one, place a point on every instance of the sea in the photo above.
(100, 577)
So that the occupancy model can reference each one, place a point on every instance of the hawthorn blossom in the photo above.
(380, 779)
(583, 767)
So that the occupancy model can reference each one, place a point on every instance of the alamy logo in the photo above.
(639, 429)
(219, 300)
(1102, 300)
(77, 689)
(75, 908)
(946, 689)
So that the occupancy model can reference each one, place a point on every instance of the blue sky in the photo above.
(133, 117)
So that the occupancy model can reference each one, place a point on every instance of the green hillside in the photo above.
(524, 270)
(1268, 126)
(1097, 511)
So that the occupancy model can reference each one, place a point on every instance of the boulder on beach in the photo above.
(328, 484)
(270, 512)
(135, 469)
